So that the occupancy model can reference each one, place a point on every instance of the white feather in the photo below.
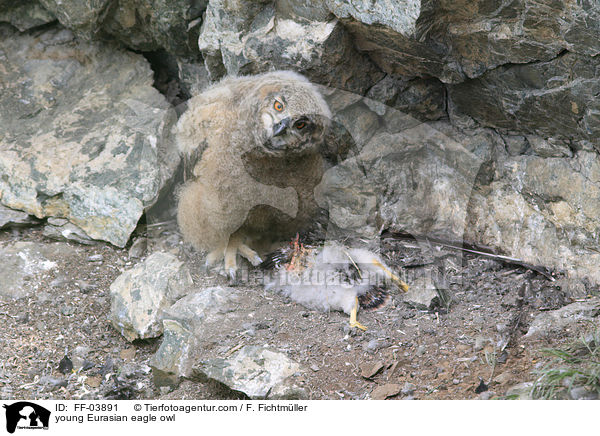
(325, 283)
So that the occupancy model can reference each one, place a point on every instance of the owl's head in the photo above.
(293, 116)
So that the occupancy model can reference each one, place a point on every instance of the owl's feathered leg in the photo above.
(231, 256)
(353, 313)
(234, 246)
(215, 255)
(250, 254)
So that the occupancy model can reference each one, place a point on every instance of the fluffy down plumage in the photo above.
(253, 151)
(331, 277)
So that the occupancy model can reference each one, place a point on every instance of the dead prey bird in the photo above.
(331, 277)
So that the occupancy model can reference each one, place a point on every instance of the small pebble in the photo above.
(67, 310)
(87, 364)
(138, 248)
(408, 388)
(480, 342)
(81, 351)
(95, 258)
(43, 297)
(374, 345)
(582, 393)
(53, 382)
(86, 287)
(65, 365)
(59, 281)
(487, 395)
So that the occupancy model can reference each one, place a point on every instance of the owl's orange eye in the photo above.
(278, 106)
(300, 125)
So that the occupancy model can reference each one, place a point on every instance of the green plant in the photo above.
(578, 364)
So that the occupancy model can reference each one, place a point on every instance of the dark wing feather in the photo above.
(276, 258)
(375, 298)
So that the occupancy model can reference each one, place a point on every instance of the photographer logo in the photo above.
(26, 415)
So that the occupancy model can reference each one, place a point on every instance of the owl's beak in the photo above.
(281, 127)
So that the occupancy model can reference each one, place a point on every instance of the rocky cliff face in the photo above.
(474, 119)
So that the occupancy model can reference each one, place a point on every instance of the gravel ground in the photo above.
(470, 345)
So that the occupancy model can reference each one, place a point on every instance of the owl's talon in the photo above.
(232, 274)
(249, 254)
(215, 256)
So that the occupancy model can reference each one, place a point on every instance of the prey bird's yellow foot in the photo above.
(353, 314)
(357, 325)
(393, 277)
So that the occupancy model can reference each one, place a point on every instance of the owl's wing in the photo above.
(201, 126)
(189, 163)
(208, 115)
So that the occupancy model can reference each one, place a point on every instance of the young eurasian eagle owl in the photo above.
(259, 139)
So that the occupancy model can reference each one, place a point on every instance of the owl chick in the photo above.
(258, 138)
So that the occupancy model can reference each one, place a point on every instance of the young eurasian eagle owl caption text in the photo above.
(259, 139)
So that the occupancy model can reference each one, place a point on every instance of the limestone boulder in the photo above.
(83, 134)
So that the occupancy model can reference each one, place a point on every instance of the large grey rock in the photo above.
(417, 180)
(140, 24)
(390, 33)
(484, 34)
(201, 341)
(14, 218)
(157, 24)
(172, 359)
(556, 321)
(189, 326)
(544, 211)
(139, 295)
(452, 40)
(256, 371)
(23, 264)
(96, 147)
(253, 37)
(83, 17)
(61, 229)
(25, 14)
(202, 307)
(552, 99)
